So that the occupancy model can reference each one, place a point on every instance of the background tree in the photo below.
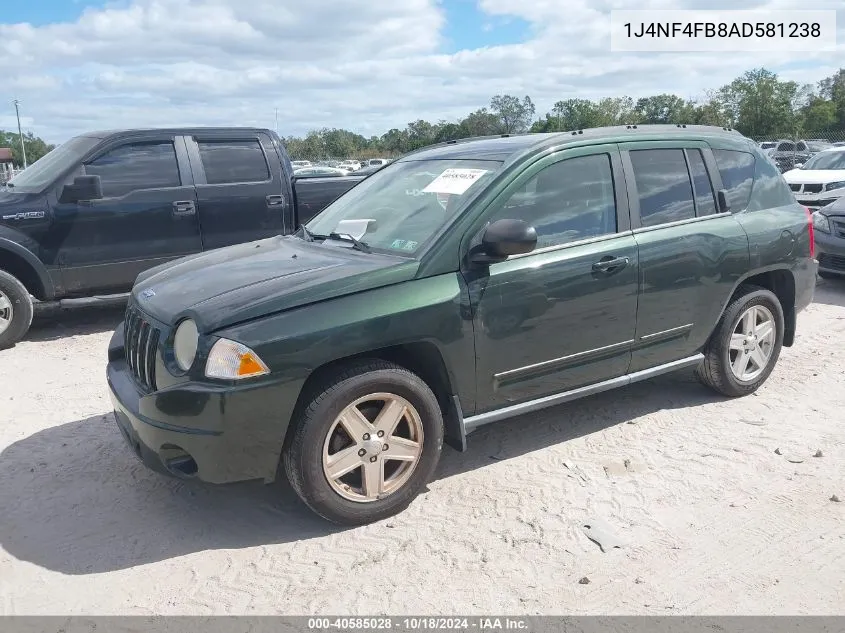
(513, 116)
(35, 146)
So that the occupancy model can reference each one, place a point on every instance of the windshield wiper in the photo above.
(356, 244)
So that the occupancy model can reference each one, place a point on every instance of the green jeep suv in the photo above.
(460, 285)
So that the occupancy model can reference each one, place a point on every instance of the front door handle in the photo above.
(610, 264)
(275, 200)
(184, 207)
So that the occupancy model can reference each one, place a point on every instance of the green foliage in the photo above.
(758, 104)
(35, 147)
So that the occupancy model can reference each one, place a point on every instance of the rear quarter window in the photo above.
(770, 189)
(737, 171)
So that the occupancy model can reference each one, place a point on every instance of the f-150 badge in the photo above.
(25, 215)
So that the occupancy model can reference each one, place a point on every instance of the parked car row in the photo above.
(788, 154)
(460, 285)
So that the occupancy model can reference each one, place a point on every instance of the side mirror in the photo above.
(504, 238)
(82, 188)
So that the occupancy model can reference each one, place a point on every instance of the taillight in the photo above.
(812, 232)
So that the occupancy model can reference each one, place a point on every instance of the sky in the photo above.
(363, 65)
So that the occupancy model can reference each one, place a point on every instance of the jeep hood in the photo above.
(247, 281)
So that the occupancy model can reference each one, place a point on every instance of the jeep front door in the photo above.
(564, 315)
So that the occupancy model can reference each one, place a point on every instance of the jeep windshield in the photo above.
(46, 169)
(406, 203)
(826, 160)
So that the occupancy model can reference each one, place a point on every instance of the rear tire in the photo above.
(741, 353)
(381, 467)
(15, 310)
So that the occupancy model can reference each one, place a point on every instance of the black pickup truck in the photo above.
(92, 214)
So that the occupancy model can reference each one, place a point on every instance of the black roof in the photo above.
(503, 147)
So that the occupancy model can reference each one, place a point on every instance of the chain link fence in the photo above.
(789, 152)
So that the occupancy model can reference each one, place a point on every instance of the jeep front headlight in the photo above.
(231, 360)
(185, 343)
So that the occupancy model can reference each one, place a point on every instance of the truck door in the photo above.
(147, 215)
(239, 187)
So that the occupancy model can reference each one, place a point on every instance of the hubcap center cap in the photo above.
(372, 446)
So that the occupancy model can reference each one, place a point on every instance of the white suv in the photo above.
(821, 180)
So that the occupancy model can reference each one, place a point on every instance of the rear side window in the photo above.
(136, 166)
(663, 185)
(233, 161)
(705, 202)
(770, 189)
(737, 170)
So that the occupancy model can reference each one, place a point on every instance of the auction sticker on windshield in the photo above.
(455, 181)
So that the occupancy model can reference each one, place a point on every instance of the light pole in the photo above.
(20, 133)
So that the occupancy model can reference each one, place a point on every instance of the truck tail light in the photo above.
(812, 232)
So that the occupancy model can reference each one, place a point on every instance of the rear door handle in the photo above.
(275, 200)
(184, 207)
(610, 264)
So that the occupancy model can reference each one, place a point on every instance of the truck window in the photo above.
(705, 201)
(664, 186)
(567, 201)
(136, 166)
(737, 170)
(228, 162)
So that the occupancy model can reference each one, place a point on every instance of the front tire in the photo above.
(744, 348)
(15, 310)
(365, 443)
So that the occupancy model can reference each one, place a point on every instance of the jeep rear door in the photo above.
(240, 193)
(691, 253)
(146, 217)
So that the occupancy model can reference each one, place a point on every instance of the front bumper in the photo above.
(830, 252)
(815, 201)
(214, 433)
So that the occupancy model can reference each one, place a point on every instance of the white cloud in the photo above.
(366, 66)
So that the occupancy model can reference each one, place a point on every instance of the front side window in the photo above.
(233, 161)
(567, 201)
(737, 171)
(407, 201)
(47, 168)
(136, 166)
(663, 185)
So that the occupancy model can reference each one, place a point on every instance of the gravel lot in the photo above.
(713, 520)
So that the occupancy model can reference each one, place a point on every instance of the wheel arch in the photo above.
(781, 282)
(422, 358)
(27, 268)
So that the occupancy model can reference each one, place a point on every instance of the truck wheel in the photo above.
(743, 350)
(15, 310)
(365, 445)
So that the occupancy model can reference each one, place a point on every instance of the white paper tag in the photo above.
(454, 181)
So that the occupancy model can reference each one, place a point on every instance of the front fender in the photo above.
(48, 291)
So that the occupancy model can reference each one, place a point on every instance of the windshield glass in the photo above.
(409, 201)
(826, 160)
(45, 170)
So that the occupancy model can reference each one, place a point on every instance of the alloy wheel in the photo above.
(7, 313)
(752, 343)
(373, 447)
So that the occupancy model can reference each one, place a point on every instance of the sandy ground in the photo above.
(712, 519)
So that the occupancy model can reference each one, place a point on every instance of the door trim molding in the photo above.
(663, 335)
(475, 421)
(518, 373)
